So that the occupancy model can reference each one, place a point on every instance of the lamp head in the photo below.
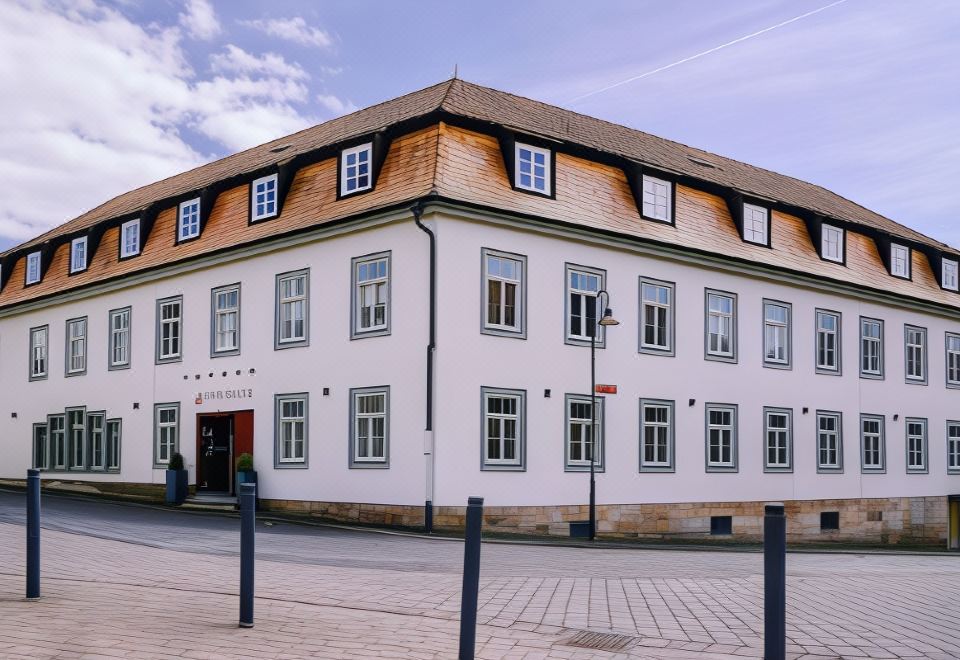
(608, 319)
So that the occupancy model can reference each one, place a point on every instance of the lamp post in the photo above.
(605, 320)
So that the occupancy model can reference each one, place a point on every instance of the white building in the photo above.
(776, 341)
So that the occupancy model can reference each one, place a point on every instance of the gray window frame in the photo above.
(46, 446)
(601, 338)
(85, 242)
(882, 468)
(278, 399)
(671, 463)
(119, 422)
(521, 305)
(46, 374)
(103, 430)
(950, 422)
(882, 340)
(521, 465)
(296, 343)
(671, 349)
(769, 364)
(353, 462)
(828, 469)
(226, 288)
(908, 264)
(157, 407)
(111, 365)
(158, 358)
(788, 412)
(838, 335)
(26, 268)
(925, 347)
(907, 421)
(68, 433)
(66, 447)
(734, 409)
(356, 332)
(950, 384)
(67, 373)
(598, 466)
(734, 322)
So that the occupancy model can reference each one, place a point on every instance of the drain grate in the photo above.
(600, 641)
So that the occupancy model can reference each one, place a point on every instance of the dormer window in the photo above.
(948, 274)
(756, 224)
(33, 268)
(355, 169)
(78, 255)
(900, 261)
(188, 222)
(657, 199)
(533, 169)
(130, 238)
(263, 198)
(831, 243)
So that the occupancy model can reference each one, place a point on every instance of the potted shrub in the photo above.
(245, 472)
(176, 480)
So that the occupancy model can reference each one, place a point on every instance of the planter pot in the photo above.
(247, 477)
(177, 487)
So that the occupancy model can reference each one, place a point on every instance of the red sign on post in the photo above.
(606, 389)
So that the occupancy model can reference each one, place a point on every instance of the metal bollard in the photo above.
(774, 582)
(248, 497)
(428, 517)
(471, 579)
(33, 534)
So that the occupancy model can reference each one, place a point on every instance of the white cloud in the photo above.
(200, 20)
(237, 60)
(292, 29)
(335, 105)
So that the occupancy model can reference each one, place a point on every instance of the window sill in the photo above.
(653, 469)
(369, 465)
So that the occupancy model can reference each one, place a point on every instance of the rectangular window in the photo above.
(583, 286)
(871, 348)
(503, 425)
(657, 199)
(953, 360)
(721, 525)
(533, 168)
(656, 435)
(371, 295)
(355, 175)
(872, 443)
(721, 440)
(120, 338)
(130, 239)
(656, 316)
(948, 274)
(580, 446)
(76, 347)
(78, 254)
(776, 334)
(40, 447)
(721, 326)
(829, 521)
(778, 435)
(756, 224)
(97, 440)
(831, 243)
(829, 441)
(291, 430)
(169, 330)
(58, 442)
(188, 222)
(77, 438)
(113, 444)
(166, 432)
(39, 350)
(293, 309)
(900, 261)
(953, 447)
(503, 293)
(225, 333)
(370, 419)
(916, 442)
(263, 198)
(828, 342)
(33, 268)
(915, 354)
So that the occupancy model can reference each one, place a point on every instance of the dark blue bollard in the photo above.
(774, 583)
(471, 579)
(248, 497)
(33, 534)
(428, 517)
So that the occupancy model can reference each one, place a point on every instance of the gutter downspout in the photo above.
(428, 444)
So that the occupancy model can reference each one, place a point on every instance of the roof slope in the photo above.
(465, 99)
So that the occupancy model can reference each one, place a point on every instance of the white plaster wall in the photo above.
(468, 359)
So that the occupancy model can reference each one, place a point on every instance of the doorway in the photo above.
(953, 522)
(221, 437)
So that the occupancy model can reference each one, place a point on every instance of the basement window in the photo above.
(533, 169)
(721, 525)
(355, 175)
(829, 521)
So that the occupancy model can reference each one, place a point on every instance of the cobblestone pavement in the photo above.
(132, 581)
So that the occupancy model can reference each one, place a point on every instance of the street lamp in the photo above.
(605, 320)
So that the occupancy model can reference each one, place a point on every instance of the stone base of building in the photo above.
(894, 520)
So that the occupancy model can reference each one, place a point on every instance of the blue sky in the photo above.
(100, 97)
